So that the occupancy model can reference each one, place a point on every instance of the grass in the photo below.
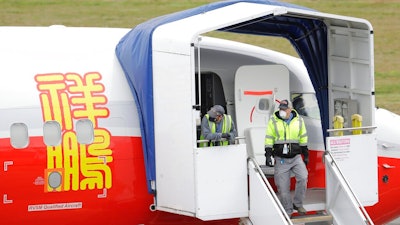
(383, 15)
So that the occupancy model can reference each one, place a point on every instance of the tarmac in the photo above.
(394, 222)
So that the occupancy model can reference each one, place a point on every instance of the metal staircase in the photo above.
(265, 207)
(315, 202)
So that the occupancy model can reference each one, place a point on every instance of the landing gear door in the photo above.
(256, 89)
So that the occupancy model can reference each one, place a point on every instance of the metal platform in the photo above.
(317, 219)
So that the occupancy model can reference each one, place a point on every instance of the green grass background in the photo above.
(383, 14)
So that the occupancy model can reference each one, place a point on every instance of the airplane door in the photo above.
(256, 89)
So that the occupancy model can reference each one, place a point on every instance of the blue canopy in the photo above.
(134, 52)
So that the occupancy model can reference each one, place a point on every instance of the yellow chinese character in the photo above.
(54, 100)
(94, 166)
(71, 161)
(87, 97)
(74, 166)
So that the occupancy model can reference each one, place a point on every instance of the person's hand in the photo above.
(304, 151)
(269, 161)
(225, 135)
(268, 156)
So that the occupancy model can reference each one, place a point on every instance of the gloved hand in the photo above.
(212, 119)
(225, 135)
(304, 151)
(268, 155)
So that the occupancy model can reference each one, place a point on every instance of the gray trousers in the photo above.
(283, 169)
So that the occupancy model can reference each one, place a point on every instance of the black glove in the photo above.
(225, 135)
(304, 151)
(212, 119)
(268, 156)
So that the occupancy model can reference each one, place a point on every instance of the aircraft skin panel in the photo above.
(387, 208)
(65, 77)
(102, 182)
(25, 188)
(126, 202)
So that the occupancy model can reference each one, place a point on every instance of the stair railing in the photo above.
(347, 188)
(254, 165)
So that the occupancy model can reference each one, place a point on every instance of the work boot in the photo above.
(301, 210)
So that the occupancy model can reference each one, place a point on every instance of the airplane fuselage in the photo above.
(70, 135)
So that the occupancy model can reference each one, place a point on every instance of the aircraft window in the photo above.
(263, 104)
(84, 131)
(306, 104)
(19, 135)
(52, 133)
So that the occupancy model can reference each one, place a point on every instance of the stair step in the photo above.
(312, 219)
(315, 199)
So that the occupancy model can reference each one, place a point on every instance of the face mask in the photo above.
(218, 119)
(282, 114)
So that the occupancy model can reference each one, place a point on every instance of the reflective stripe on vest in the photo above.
(270, 140)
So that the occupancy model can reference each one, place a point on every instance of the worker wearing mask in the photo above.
(285, 142)
(218, 127)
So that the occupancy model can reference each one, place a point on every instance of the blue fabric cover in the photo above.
(134, 52)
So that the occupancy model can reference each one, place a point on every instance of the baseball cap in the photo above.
(284, 104)
(216, 110)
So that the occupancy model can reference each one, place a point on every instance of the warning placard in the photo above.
(340, 148)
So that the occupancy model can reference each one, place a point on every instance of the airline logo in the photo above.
(71, 165)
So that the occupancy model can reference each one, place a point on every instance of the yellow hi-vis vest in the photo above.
(226, 128)
(279, 132)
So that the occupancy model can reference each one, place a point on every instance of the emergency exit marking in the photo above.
(104, 194)
(7, 163)
(6, 200)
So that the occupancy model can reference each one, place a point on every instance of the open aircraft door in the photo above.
(211, 182)
(257, 87)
